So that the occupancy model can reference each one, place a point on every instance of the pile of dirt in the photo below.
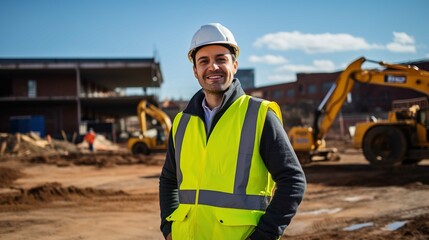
(99, 159)
(106, 160)
(31, 144)
(53, 192)
(8, 176)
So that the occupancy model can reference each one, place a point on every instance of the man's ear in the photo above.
(235, 67)
(195, 72)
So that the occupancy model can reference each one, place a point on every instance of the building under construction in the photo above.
(65, 97)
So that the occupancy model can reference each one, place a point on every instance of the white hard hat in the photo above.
(213, 33)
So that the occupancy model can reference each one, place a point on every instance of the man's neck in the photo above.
(213, 100)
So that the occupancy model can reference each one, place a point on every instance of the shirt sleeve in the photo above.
(168, 190)
(282, 162)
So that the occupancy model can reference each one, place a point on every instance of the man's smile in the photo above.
(214, 77)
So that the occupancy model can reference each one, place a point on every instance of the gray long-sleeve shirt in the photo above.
(277, 154)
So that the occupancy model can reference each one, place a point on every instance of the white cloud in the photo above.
(268, 59)
(403, 38)
(287, 72)
(402, 42)
(314, 43)
(317, 66)
(397, 47)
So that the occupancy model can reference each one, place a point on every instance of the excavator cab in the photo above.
(153, 137)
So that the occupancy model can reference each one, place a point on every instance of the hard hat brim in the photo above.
(193, 51)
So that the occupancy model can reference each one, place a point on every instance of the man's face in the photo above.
(214, 68)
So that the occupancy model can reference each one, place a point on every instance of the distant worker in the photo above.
(49, 138)
(90, 138)
(227, 153)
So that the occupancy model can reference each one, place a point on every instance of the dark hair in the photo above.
(230, 48)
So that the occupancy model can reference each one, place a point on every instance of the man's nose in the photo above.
(214, 66)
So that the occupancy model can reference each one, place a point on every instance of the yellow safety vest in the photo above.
(224, 186)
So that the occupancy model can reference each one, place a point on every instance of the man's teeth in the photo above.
(215, 77)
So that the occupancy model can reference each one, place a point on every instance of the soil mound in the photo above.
(54, 192)
(101, 159)
(8, 176)
(31, 144)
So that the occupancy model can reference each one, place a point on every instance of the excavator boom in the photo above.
(391, 75)
(394, 75)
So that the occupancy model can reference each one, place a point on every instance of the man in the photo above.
(226, 150)
(90, 139)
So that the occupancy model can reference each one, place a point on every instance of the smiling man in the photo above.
(227, 152)
(214, 68)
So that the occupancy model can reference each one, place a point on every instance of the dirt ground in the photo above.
(115, 196)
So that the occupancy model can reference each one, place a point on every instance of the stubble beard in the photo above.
(216, 89)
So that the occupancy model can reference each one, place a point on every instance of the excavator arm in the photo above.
(393, 75)
(144, 107)
(334, 100)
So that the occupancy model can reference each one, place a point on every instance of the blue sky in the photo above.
(277, 38)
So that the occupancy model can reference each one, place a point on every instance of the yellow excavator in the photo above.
(154, 139)
(400, 139)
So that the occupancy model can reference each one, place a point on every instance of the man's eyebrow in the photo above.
(217, 55)
(202, 58)
(221, 54)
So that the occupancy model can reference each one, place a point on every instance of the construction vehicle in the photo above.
(154, 139)
(401, 138)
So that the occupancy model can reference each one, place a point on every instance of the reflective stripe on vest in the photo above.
(180, 133)
(238, 199)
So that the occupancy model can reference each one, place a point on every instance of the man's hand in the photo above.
(169, 237)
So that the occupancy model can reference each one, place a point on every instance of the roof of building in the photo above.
(109, 72)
